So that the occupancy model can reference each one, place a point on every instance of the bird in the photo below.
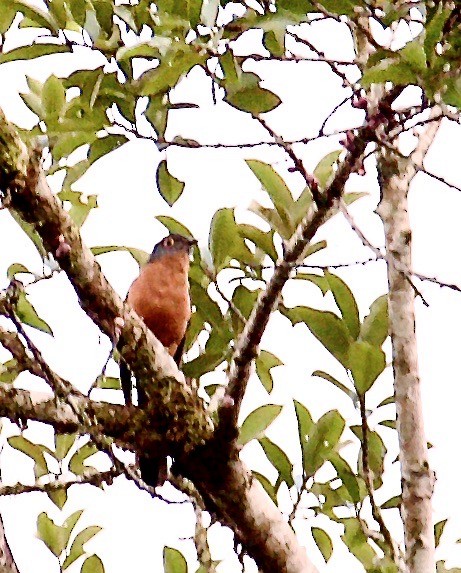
(160, 296)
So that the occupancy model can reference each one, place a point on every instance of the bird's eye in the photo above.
(168, 242)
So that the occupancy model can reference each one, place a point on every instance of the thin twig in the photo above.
(96, 479)
(368, 477)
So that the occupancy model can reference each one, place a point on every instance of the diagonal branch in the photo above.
(177, 404)
(247, 345)
(222, 480)
(126, 425)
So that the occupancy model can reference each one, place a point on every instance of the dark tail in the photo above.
(125, 381)
(153, 467)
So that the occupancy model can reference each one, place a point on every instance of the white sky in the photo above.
(135, 526)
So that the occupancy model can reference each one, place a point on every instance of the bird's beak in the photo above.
(192, 242)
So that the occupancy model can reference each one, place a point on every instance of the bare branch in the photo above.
(96, 479)
(247, 345)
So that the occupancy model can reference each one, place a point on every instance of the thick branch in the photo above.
(176, 404)
(178, 410)
(396, 174)
(241, 503)
(127, 425)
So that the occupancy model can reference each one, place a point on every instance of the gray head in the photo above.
(170, 245)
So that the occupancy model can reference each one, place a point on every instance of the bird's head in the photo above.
(172, 245)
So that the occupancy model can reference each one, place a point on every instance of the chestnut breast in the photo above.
(160, 295)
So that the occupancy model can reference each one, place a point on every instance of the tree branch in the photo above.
(247, 345)
(219, 476)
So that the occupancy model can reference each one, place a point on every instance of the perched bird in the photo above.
(160, 295)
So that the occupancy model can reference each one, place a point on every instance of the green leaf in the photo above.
(376, 450)
(347, 476)
(388, 424)
(58, 497)
(174, 226)
(389, 70)
(438, 530)
(35, 15)
(328, 328)
(279, 459)
(104, 145)
(301, 206)
(321, 374)
(138, 255)
(171, 69)
(356, 541)
(222, 232)
(324, 169)
(71, 522)
(53, 98)
(76, 550)
(305, 426)
(257, 422)
(28, 315)
(275, 187)
(174, 561)
(270, 489)
(225, 242)
(7, 15)
(206, 362)
(34, 451)
(274, 43)
(346, 303)
(63, 443)
(81, 205)
(262, 240)
(413, 53)
(274, 220)
(366, 363)
(387, 401)
(52, 535)
(433, 30)
(375, 326)
(323, 542)
(323, 439)
(32, 52)
(253, 99)
(76, 463)
(92, 565)
(10, 370)
(318, 281)
(169, 187)
(208, 308)
(340, 7)
(264, 363)
(392, 503)
(15, 269)
(108, 383)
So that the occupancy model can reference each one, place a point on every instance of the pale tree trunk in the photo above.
(396, 173)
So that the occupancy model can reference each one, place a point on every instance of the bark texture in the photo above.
(396, 173)
(181, 418)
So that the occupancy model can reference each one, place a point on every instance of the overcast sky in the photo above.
(135, 526)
